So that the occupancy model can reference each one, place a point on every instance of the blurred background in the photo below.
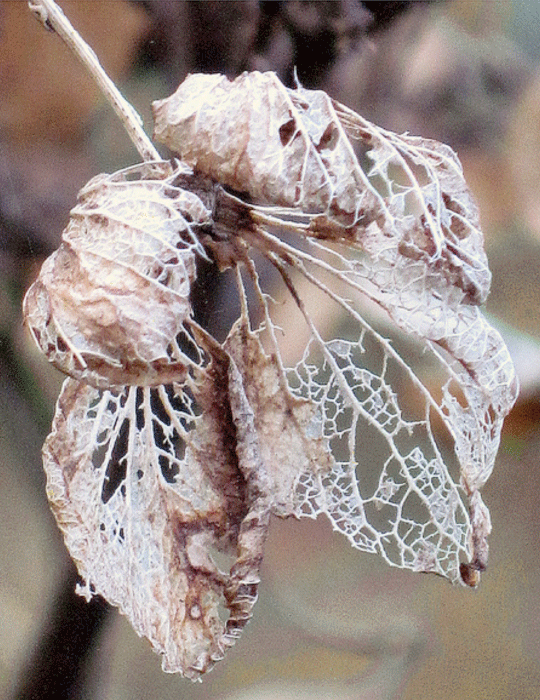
(330, 623)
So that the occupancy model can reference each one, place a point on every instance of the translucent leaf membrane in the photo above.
(401, 229)
(300, 149)
(145, 487)
(148, 485)
(173, 450)
(108, 304)
(395, 487)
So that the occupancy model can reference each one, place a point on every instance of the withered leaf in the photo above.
(302, 150)
(361, 212)
(173, 447)
(145, 485)
(288, 429)
(128, 253)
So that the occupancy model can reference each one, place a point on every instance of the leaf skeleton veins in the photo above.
(168, 446)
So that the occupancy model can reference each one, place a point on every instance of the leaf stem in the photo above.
(52, 17)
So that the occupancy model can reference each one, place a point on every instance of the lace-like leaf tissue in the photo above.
(111, 300)
(170, 450)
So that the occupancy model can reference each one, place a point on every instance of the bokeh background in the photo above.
(331, 624)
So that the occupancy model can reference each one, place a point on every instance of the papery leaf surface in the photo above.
(109, 302)
(302, 150)
(149, 484)
(361, 213)
(361, 381)
(146, 488)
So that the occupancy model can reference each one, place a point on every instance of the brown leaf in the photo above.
(292, 451)
(110, 302)
(149, 481)
(297, 149)
(145, 486)
(402, 201)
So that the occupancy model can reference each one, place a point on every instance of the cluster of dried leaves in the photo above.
(170, 450)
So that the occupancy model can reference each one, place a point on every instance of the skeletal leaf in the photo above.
(111, 300)
(302, 150)
(146, 483)
(360, 212)
(288, 428)
(173, 448)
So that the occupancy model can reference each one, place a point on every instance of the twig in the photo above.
(52, 17)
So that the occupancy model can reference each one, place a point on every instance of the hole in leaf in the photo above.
(287, 132)
(139, 411)
(116, 468)
(169, 468)
(329, 139)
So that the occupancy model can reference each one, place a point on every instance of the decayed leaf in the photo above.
(403, 203)
(288, 428)
(298, 149)
(127, 256)
(183, 446)
(146, 482)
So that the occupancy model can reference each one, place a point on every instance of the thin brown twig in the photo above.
(52, 17)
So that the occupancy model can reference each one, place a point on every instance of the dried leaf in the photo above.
(146, 483)
(149, 481)
(127, 252)
(287, 428)
(297, 149)
(411, 215)
(145, 486)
